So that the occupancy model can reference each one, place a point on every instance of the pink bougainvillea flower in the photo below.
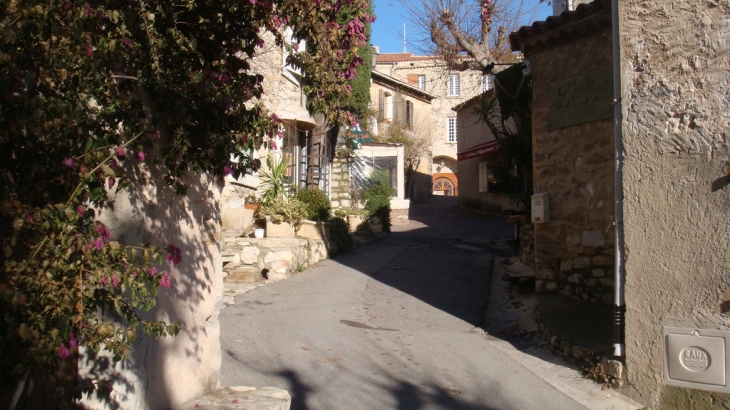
(174, 254)
(69, 162)
(89, 51)
(21, 299)
(140, 156)
(227, 170)
(115, 281)
(260, 42)
(274, 118)
(105, 280)
(103, 230)
(272, 144)
(165, 280)
(87, 248)
(87, 11)
(121, 152)
(98, 243)
(127, 41)
(280, 134)
(153, 271)
(73, 342)
(63, 352)
(113, 163)
(80, 211)
(112, 181)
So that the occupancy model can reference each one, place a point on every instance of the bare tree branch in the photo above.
(457, 29)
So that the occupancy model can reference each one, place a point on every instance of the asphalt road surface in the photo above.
(391, 325)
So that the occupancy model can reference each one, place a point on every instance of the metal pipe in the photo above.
(619, 308)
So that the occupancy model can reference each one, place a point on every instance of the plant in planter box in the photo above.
(284, 209)
(317, 204)
(378, 206)
(274, 182)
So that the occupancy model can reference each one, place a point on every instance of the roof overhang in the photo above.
(294, 114)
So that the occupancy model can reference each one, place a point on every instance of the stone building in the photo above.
(451, 87)
(676, 120)
(673, 178)
(477, 154)
(573, 150)
(403, 108)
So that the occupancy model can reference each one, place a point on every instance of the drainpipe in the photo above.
(619, 308)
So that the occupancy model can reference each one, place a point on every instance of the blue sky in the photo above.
(387, 31)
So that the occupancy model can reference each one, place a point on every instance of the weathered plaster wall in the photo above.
(170, 371)
(676, 104)
(575, 166)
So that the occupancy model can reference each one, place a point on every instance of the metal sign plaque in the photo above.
(584, 98)
(697, 358)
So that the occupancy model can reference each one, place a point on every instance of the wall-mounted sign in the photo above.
(584, 98)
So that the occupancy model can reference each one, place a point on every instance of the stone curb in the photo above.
(242, 397)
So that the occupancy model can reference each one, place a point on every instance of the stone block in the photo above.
(599, 273)
(592, 238)
(250, 255)
(545, 273)
(565, 294)
(602, 260)
(539, 286)
(607, 282)
(581, 262)
(566, 264)
(573, 240)
(581, 352)
(281, 256)
(591, 282)
(551, 286)
(568, 288)
(613, 368)
(567, 349)
(574, 278)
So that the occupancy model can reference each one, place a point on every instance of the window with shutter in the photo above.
(422, 82)
(454, 85)
(487, 82)
(452, 130)
(381, 105)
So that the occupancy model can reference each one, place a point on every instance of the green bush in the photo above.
(340, 234)
(379, 206)
(281, 209)
(317, 204)
(378, 184)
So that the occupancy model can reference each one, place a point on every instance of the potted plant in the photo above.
(283, 216)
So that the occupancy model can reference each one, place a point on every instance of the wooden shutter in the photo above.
(381, 105)
(413, 79)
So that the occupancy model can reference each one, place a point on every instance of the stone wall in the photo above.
(575, 166)
(252, 260)
(676, 133)
(340, 195)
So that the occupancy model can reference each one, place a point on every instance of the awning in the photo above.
(478, 150)
(295, 113)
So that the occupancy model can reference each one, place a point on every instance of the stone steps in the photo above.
(244, 274)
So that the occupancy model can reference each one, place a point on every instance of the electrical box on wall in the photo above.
(540, 208)
(697, 358)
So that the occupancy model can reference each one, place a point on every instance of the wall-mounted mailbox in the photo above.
(697, 358)
(540, 208)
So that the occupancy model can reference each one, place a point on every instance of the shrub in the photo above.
(316, 202)
(340, 234)
(378, 184)
(379, 206)
(280, 209)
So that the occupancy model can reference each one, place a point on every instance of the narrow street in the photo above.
(391, 325)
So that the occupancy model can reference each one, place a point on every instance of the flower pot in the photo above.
(314, 230)
(354, 222)
(236, 219)
(258, 233)
(279, 230)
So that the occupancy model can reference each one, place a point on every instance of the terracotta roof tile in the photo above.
(400, 57)
(582, 12)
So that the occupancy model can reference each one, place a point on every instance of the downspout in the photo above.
(619, 308)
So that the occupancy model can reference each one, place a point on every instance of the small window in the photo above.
(487, 82)
(454, 85)
(422, 82)
(409, 115)
(452, 130)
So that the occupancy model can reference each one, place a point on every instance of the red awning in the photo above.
(478, 150)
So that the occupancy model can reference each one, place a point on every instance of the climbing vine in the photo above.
(93, 91)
